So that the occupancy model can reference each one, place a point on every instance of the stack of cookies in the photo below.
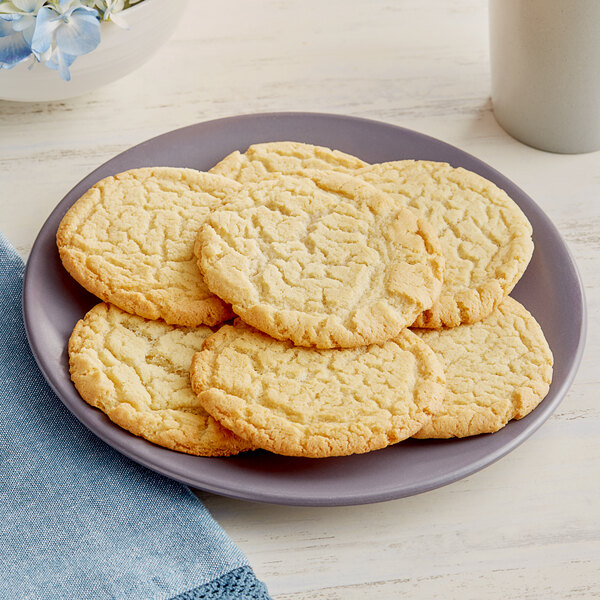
(299, 300)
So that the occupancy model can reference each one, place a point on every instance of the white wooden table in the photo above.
(526, 527)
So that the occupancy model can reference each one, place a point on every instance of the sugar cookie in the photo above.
(290, 158)
(324, 260)
(485, 237)
(129, 240)
(317, 403)
(137, 372)
(497, 369)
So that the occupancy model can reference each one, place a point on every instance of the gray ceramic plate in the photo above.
(550, 289)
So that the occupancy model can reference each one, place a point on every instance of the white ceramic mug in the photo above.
(545, 64)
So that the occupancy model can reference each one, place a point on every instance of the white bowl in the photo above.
(120, 51)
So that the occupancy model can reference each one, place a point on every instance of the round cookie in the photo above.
(290, 158)
(317, 403)
(130, 239)
(485, 237)
(324, 260)
(496, 370)
(137, 372)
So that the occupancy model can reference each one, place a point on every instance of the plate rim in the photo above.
(543, 411)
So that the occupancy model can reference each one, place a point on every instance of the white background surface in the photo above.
(526, 527)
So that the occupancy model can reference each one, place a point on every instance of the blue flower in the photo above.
(13, 45)
(22, 14)
(65, 30)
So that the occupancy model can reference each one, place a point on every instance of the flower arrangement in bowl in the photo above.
(83, 43)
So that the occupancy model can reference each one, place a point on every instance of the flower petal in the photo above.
(119, 20)
(5, 28)
(80, 35)
(28, 6)
(11, 17)
(87, 10)
(13, 49)
(59, 61)
(66, 7)
(29, 28)
(25, 22)
(45, 26)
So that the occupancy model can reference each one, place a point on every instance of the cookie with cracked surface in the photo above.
(317, 403)
(130, 241)
(137, 372)
(324, 260)
(485, 237)
(497, 369)
(290, 158)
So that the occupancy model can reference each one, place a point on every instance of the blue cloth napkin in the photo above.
(80, 521)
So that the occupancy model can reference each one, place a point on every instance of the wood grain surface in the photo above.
(526, 527)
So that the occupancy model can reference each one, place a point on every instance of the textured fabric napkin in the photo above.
(80, 521)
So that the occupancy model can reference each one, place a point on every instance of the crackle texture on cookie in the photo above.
(290, 158)
(130, 241)
(496, 370)
(485, 237)
(317, 403)
(324, 260)
(137, 372)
